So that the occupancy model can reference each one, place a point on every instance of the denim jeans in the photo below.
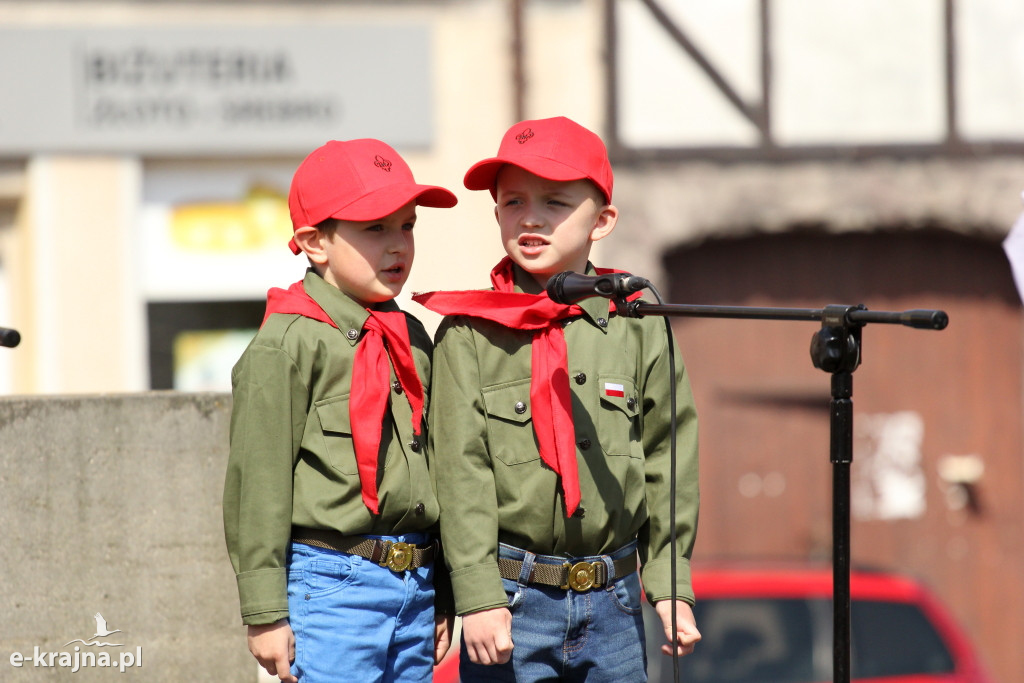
(563, 635)
(355, 620)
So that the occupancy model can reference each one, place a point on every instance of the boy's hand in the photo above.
(273, 646)
(443, 625)
(488, 635)
(687, 635)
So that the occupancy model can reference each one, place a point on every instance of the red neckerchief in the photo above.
(386, 335)
(549, 385)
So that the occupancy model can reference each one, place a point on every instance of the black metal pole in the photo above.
(836, 348)
(841, 409)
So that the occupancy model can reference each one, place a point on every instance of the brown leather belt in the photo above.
(396, 556)
(579, 576)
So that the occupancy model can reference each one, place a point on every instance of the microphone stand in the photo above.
(836, 349)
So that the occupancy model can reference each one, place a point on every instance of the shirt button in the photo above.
(415, 445)
(602, 322)
(420, 508)
(397, 386)
(584, 444)
(580, 513)
(581, 378)
(520, 407)
(352, 334)
(631, 403)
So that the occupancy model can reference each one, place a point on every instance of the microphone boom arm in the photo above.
(853, 315)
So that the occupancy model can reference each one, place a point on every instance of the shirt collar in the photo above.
(346, 313)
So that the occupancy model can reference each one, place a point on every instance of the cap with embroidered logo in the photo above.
(356, 180)
(556, 149)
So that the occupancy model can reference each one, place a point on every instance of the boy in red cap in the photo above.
(552, 449)
(329, 506)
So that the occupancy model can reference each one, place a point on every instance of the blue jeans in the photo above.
(562, 635)
(356, 620)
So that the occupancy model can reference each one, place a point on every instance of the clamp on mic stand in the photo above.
(836, 349)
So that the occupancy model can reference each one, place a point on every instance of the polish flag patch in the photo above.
(614, 389)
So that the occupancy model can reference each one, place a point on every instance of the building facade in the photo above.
(767, 153)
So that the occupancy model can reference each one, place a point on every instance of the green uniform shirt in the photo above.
(494, 488)
(292, 459)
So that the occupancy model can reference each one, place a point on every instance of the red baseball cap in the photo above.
(556, 148)
(356, 180)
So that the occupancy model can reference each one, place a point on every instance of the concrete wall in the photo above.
(110, 504)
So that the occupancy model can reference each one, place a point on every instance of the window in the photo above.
(894, 639)
(752, 641)
(771, 640)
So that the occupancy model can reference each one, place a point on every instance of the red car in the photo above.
(774, 625)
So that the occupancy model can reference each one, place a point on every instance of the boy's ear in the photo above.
(310, 242)
(605, 222)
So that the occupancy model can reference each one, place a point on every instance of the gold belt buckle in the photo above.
(399, 557)
(580, 576)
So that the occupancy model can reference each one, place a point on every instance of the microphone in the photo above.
(569, 287)
(9, 337)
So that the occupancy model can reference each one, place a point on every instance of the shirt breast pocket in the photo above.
(510, 436)
(336, 428)
(617, 422)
